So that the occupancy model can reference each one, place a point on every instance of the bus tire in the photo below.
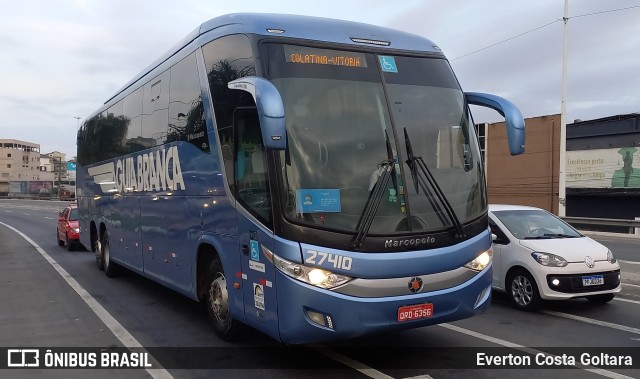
(217, 302)
(110, 268)
(97, 248)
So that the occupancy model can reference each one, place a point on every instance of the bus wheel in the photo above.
(110, 268)
(97, 247)
(217, 299)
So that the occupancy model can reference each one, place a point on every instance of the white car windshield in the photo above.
(535, 224)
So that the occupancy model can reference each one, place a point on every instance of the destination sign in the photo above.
(309, 55)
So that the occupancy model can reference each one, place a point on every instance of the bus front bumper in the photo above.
(308, 314)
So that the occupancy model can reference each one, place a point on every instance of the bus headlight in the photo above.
(481, 261)
(311, 275)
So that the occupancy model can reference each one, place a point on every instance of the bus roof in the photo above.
(299, 27)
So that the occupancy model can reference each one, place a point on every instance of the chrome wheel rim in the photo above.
(219, 299)
(522, 290)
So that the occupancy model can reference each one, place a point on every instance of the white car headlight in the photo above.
(77, 230)
(550, 260)
(481, 261)
(312, 275)
(610, 257)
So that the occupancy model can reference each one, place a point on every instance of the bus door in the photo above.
(254, 222)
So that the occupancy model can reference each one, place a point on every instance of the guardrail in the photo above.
(630, 224)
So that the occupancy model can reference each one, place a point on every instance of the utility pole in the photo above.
(562, 180)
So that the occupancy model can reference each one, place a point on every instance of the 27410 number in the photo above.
(338, 261)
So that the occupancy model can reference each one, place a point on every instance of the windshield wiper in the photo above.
(559, 235)
(424, 176)
(373, 202)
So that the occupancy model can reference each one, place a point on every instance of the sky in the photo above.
(62, 59)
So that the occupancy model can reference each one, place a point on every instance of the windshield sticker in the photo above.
(318, 200)
(388, 64)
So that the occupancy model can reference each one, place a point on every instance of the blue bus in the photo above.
(314, 179)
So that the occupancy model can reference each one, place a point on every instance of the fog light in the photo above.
(555, 282)
(320, 319)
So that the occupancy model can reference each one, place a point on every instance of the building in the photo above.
(527, 179)
(20, 168)
(602, 168)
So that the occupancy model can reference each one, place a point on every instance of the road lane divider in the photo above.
(591, 321)
(349, 362)
(118, 330)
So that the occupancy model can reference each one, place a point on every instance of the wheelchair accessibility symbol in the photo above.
(388, 64)
(254, 250)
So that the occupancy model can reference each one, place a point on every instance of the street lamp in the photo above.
(78, 124)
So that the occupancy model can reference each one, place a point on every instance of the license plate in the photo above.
(415, 312)
(592, 280)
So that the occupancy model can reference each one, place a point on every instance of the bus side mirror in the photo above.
(270, 109)
(512, 116)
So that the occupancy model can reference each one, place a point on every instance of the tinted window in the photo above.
(133, 115)
(186, 114)
(251, 168)
(155, 108)
(74, 214)
(226, 59)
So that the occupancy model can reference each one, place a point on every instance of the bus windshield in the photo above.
(339, 114)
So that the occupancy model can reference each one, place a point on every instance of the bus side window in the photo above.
(250, 165)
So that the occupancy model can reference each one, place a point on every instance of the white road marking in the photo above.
(110, 322)
(627, 300)
(420, 377)
(48, 218)
(8, 211)
(630, 262)
(611, 325)
(358, 366)
(631, 285)
(498, 341)
(27, 214)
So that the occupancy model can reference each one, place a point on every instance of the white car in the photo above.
(537, 256)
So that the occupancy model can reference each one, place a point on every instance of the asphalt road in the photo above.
(40, 308)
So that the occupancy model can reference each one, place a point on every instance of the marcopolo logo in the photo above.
(409, 242)
(156, 171)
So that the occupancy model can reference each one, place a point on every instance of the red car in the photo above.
(68, 232)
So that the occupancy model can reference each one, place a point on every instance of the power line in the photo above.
(609, 11)
(543, 26)
(506, 40)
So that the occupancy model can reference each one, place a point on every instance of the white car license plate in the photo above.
(592, 280)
